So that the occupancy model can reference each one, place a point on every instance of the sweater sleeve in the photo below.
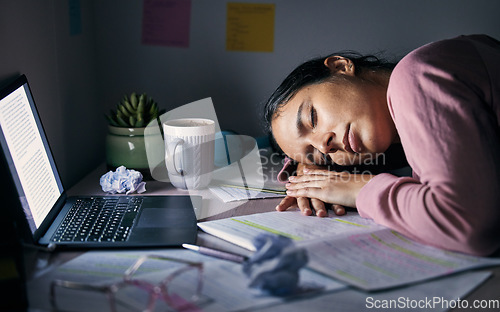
(441, 99)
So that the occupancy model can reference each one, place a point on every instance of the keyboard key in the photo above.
(99, 219)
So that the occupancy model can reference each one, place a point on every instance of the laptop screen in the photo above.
(27, 153)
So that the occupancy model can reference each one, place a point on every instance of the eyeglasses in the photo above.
(181, 290)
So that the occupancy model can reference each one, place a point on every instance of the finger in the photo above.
(313, 171)
(319, 207)
(339, 210)
(305, 208)
(287, 203)
(303, 184)
(321, 176)
(313, 193)
(306, 178)
(309, 192)
(310, 170)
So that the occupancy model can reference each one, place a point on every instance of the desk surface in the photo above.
(213, 208)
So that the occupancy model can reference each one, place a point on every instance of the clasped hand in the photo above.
(312, 189)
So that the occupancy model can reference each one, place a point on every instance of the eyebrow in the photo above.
(298, 122)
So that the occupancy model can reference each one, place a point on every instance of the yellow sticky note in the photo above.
(250, 27)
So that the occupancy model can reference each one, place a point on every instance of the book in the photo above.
(349, 248)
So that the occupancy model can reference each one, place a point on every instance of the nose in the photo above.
(326, 142)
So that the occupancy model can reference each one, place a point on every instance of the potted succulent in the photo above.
(125, 144)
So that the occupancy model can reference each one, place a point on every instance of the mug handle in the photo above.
(175, 157)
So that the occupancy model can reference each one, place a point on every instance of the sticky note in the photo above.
(250, 27)
(166, 22)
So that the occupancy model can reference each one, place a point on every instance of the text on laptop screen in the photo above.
(29, 155)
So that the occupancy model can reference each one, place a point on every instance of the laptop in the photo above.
(45, 214)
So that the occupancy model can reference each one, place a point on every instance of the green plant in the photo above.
(134, 111)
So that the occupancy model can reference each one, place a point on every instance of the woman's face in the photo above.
(346, 122)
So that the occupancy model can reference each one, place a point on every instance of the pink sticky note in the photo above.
(166, 22)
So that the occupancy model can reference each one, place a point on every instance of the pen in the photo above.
(215, 253)
(255, 189)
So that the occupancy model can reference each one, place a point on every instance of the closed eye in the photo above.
(313, 117)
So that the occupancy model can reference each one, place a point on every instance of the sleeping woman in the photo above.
(441, 103)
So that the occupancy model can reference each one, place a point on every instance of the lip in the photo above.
(347, 140)
(350, 141)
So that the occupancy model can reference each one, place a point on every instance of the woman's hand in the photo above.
(308, 206)
(339, 188)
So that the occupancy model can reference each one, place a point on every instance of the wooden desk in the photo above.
(213, 208)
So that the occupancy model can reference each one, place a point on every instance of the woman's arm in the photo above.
(442, 100)
(443, 103)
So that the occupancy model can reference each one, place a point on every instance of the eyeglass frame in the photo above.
(155, 291)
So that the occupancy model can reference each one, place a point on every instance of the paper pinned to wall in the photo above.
(250, 27)
(75, 17)
(166, 22)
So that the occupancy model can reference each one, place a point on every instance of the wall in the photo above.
(76, 79)
(239, 82)
(60, 68)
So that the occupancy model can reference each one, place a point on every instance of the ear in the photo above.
(339, 65)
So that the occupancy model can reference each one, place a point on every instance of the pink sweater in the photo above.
(445, 101)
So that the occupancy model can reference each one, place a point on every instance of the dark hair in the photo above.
(313, 72)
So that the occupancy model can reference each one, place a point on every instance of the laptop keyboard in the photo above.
(99, 220)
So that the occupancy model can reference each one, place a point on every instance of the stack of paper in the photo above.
(229, 193)
(350, 248)
(247, 177)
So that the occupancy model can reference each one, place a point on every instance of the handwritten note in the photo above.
(166, 22)
(250, 27)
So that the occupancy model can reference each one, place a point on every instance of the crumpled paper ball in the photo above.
(274, 267)
(123, 180)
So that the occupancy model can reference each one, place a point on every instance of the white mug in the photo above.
(189, 152)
